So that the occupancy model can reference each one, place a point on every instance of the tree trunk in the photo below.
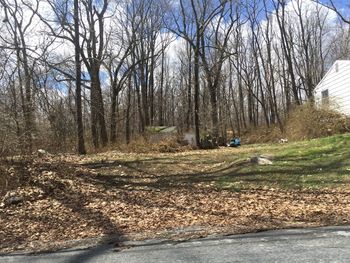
(98, 124)
(79, 119)
(161, 89)
(189, 92)
(127, 117)
(113, 119)
(144, 95)
(196, 91)
(214, 111)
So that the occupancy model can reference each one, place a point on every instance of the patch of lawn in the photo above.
(315, 164)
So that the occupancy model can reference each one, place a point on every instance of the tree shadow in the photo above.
(286, 172)
(156, 181)
(58, 191)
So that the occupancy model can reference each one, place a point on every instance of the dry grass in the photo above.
(142, 145)
(304, 122)
(262, 134)
(308, 122)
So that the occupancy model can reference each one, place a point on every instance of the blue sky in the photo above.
(341, 4)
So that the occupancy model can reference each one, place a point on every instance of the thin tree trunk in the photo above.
(79, 119)
(113, 119)
(128, 107)
(161, 88)
(189, 91)
(196, 91)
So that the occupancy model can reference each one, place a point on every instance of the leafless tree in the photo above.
(14, 39)
(80, 126)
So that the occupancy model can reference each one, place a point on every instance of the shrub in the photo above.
(262, 134)
(142, 145)
(307, 122)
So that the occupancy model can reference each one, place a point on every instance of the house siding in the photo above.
(338, 85)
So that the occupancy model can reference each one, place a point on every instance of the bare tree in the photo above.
(192, 24)
(80, 127)
(92, 18)
(15, 38)
(336, 6)
(214, 52)
(287, 46)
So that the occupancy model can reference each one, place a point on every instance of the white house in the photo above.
(335, 87)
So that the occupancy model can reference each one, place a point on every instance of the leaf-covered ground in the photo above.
(148, 195)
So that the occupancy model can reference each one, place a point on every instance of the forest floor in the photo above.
(138, 196)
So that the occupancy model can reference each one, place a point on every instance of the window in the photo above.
(325, 96)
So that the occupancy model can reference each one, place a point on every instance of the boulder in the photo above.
(12, 199)
(259, 160)
(283, 140)
(41, 152)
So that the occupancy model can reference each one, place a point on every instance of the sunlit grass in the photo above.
(314, 164)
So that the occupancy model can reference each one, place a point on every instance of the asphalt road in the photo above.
(328, 244)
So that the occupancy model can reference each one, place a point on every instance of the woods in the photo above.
(113, 114)
(81, 75)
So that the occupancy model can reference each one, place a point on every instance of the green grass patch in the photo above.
(315, 164)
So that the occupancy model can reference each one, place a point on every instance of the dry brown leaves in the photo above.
(65, 201)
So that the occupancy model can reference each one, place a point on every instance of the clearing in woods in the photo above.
(138, 196)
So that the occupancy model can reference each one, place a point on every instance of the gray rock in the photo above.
(267, 156)
(12, 200)
(42, 153)
(283, 140)
(260, 160)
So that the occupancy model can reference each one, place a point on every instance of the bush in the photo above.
(142, 145)
(307, 122)
(262, 134)
(304, 122)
